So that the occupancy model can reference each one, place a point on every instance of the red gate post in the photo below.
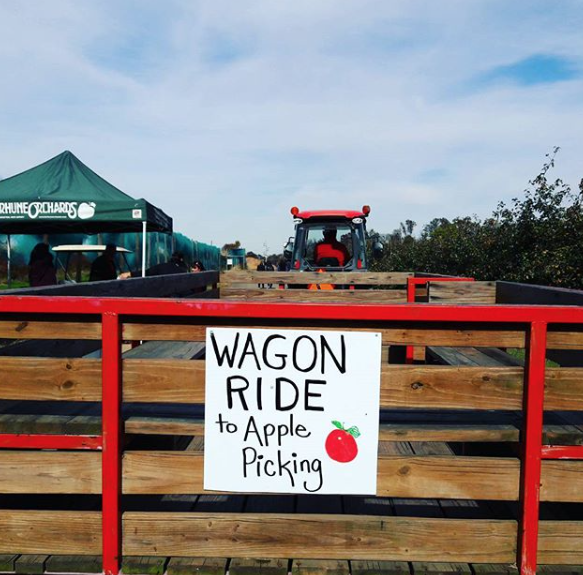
(411, 284)
(111, 457)
(534, 383)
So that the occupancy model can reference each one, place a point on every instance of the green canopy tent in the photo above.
(64, 195)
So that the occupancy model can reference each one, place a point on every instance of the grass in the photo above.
(15, 284)
(520, 354)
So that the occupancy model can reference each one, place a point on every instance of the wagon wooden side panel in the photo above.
(129, 480)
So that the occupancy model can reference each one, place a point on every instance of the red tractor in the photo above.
(331, 240)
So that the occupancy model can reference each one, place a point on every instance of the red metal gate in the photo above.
(536, 318)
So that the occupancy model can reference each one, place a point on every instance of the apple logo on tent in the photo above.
(86, 210)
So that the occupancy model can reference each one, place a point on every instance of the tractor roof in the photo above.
(348, 214)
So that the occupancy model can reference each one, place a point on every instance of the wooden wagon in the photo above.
(101, 463)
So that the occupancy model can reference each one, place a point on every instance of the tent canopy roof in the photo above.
(63, 194)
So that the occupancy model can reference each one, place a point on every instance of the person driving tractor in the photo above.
(330, 249)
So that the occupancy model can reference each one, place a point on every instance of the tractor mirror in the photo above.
(377, 249)
(288, 249)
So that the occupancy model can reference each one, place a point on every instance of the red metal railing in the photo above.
(412, 283)
(111, 311)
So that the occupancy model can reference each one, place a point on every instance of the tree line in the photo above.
(537, 238)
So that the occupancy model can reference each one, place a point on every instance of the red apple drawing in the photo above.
(341, 443)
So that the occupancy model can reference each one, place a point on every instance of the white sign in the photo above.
(52, 210)
(291, 411)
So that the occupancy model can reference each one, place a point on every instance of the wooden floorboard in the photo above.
(197, 566)
(30, 564)
(73, 564)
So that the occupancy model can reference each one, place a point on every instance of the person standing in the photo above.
(104, 268)
(41, 269)
(261, 268)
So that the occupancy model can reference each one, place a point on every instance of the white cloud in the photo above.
(226, 113)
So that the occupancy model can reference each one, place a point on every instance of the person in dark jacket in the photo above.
(41, 269)
(104, 268)
(261, 268)
(198, 266)
(176, 265)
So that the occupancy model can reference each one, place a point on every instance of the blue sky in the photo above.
(227, 113)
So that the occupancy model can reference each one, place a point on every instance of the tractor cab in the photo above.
(331, 240)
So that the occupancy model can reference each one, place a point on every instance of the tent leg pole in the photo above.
(9, 262)
(144, 244)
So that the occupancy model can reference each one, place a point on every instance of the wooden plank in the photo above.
(560, 542)
(340, 278)
(379, 567)
(305, 295)
(30, 564)
(562, 481)
(478, 293)
(319, 567)
(49, 330)
(441, 568)
(258, 567)
(175, 285)
(435, 476)
(164, 472)
(391, 336)
(496, 569)
(143, 565)
(317, 536)
(159, 472)
(448, 477)
(50, 532)
(452, 387)
(462, 356)
(7, 562)
(560, 569)
(50, 472)
(163, 380)
(74, 564)
(409, 386)
(197, 566)
(563, 340)
(47, 379)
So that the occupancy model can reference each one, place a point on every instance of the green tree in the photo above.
(536, 238)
